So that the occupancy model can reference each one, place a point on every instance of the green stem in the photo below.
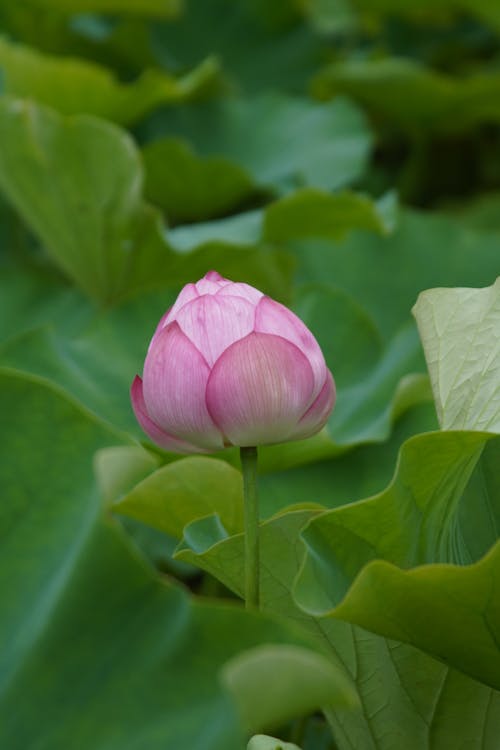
(251, 502)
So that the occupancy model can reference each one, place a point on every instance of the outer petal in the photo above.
(214, 276)
(186, 294)
(213, 323)
(317, 415)
(175, 378)
(157, 435)
(272, 317)
(239, 289)
(211, 283)
(258, 390)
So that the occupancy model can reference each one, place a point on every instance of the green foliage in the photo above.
(190, 187)
(249, 132)
(412, 97)
(155, 8)
(72, 86)
(344, 157)
(449, 514)
(90, 593)
(264, 742)
(458, 326)
(190, 488)
(296, 681)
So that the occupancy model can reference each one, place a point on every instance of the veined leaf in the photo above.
(438, 608)
(389, 717)
(460, 331)
(443, 506)
(96, 649)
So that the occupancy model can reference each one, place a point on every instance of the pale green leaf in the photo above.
(460, 331)
(189, 488)
(264, 742)
(296, 681)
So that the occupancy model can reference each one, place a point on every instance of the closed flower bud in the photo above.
(229, 366)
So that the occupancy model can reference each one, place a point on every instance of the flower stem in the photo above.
(251, 502)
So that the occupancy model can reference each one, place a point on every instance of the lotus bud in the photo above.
(228, 365)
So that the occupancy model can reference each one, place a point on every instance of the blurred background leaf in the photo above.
(343, 156)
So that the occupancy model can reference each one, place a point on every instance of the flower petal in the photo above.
(258, 390)
(157, 435)
(213, 323)
(239, 289)
(272, 317)
(211, 283)
(214, 276)
(175, 378)
(186, 294)
(317, 415)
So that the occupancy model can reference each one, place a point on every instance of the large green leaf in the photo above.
(250, 132)
(443, 506)
(174, 495)
(438, 608)
(460, 331)
(74, 86)
(414, 97)
(422, 517)
(407, 698)
(77, 183)
(191, 187)
(425, 250)
(96, 650)
(298, 473)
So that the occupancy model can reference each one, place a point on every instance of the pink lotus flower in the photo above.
(229, 366)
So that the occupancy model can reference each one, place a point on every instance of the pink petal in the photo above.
(186, 294)
(211, 283)
(157, 435)
(271, 317)
(175, 378)
(238, 289)
(213, 323)
(214, 276)
(161, 325)
(258, 389)
(317, 415)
